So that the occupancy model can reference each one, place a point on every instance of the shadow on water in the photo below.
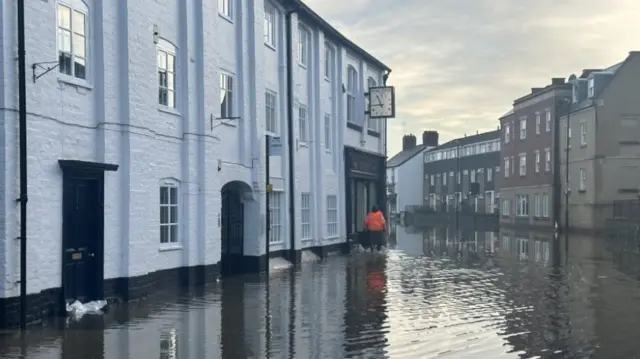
(433, 294)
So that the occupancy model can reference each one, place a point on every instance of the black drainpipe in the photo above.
(22, 88)
(290, 131)
(385, 77)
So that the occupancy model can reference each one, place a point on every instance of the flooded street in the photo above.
(485, 296)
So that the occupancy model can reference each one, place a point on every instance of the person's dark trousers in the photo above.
(377, 239)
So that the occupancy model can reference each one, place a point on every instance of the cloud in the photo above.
(459, 64)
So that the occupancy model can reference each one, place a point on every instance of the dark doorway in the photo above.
(83, 230)
(232, 228)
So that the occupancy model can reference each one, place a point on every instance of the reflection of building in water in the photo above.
(467, 246)
(366, 305)
(410, 241)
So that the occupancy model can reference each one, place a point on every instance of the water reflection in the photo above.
(436, 294)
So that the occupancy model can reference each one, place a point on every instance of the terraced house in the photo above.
(529, 185)
(147, 143)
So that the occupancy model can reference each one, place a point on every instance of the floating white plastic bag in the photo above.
(77, 309)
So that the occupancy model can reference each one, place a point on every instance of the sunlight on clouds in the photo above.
(459, 64)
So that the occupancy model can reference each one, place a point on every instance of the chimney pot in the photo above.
(430, 138)
(408, 142)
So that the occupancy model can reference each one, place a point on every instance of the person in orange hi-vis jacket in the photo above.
(375, 225)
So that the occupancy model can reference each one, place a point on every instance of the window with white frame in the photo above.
(473, 176)
(537, 123)
(226, 95)
(72, 39)
(489, 174)
(303, 46)
(537, 163)
(583, 179)
(513, 165)
(507, 133)
(169, 207)
(506, 207)
(270, 116)
(269, 24)
(328, 61)
(332, 215)
(374, 123)
(305, 215)
(522, 205)
(537, 205)
(166, 54)
(547, 159)
(507, 165)
(458, 177)
(444, 179)
(545, 205)
(327, 132)
(225, 8)
(547, 122)
(276, 201)
(303, 127)
(432, 179)
(523, 128)
(583, 134)
(352, 85)
(523, 164)
(591, 87)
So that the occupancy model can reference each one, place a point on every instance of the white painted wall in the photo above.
(114, 117)
(410, 181)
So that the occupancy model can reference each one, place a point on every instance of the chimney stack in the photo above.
(430, 138)
(408, 142)
(557, 81)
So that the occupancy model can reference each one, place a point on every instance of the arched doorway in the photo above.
(232, 227)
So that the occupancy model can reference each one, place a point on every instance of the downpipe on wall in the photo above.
(290, 132)
(385, 77)
(22, 114)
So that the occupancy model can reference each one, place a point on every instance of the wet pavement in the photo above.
(513, 295)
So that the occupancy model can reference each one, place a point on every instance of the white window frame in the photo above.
(472, 176)
(507, 133)
(171, 206)
(225, 9)
(523, 128)
(537, 205)
(304, 38)
(489, 174)
(352, 88)
(538, 123)
(583, 179)
(591, 87)
(548, 121)
(444, 179)
(328, 133)
(432, 180)
(328, 61)
(270, 20)
(305, 215)
(227, 88)
(583, 134)
(75, 7)
(545, 205)
(303, 124)
(522, 164)
(537, 161)
(165, 55)
(373, 124)
(522, 205)
(505, 208)
(332, 216)
(271, 112)
(276, 201)
(507, 166)
(547, 159)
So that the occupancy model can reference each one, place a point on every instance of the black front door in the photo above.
(82, 238)
(232, 218)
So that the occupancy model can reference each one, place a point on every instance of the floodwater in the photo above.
(484, 295)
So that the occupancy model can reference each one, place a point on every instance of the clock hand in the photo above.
(379, 100)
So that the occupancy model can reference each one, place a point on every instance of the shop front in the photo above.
(365, 185)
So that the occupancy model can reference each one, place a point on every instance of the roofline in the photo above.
(425, 148)
(543, 91)
(328, 29)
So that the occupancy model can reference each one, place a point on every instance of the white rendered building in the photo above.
(147, 148)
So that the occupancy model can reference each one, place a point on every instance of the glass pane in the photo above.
(164, 215)
(162, 96)
(79, 46)
(162, 78)
(79, 68)
(64, 61)
(64, 40)
(223, 104)
(174, 233)
(173, 214)
(171, 63)
(78, 22)
(223, 81)
(174, 195)
(164, 195)
(162, 60)
(171, 78)
(164, 234)
(64, 17)
(171, 99)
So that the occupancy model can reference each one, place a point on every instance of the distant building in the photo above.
(604, 157)
(404, 172)
(452, 168)
(527, 190)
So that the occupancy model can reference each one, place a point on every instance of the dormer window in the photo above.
(591, 87)
(575, 93)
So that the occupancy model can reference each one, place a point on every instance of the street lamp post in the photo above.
(567, 190)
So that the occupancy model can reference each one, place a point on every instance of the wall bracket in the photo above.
(46, 66)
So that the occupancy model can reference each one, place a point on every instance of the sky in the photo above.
(459, 64)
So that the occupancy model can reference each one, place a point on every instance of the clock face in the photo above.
(381, 102)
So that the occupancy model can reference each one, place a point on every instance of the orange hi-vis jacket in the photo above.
(374, 221)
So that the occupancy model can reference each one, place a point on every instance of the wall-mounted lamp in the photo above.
(156, 34)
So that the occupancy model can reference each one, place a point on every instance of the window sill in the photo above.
(168, 110)
(302, 65)
(331, 238)
(73, 81)
(327, 79)
(170, 247)
(230, 122)
(327, 151)
(226, 17)
(354, 126)
(373, 133)
(581, 191)
(583, 146)
(272, 47)
(303, 144)
(306, 240)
